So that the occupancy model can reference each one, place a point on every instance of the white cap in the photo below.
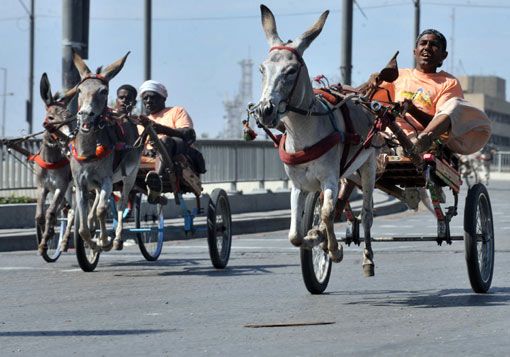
(153, 86)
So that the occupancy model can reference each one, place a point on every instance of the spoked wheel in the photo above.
(150, 226)
(479, 238)
(53, 252)
(219, 228)
(87, 257)
(315, 263)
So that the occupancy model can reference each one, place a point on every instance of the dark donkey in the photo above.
(52, 169)
(92, 155)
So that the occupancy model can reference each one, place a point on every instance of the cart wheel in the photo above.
(219, 228)
(150, 227)
(479, 238)
(53, 252)
(87, 257)
(315, 263)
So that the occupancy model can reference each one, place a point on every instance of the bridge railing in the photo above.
(227, 161)
(501, 162)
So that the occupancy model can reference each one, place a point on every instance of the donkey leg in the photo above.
(39, 216)
(51, 216)
(70, 218)
(335, 250)
(92, 216)
(106, 190)
(65, 238)
(367, 214)
(82, 206)
(296, 210)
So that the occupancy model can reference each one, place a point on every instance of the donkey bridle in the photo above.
(288, 107)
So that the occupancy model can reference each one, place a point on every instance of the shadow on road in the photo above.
(79, 333)
(497, 296)
(229, 270)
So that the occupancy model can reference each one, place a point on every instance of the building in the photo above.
(488, 94)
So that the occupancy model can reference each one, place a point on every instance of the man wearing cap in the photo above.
(437, 109)
(173, 125)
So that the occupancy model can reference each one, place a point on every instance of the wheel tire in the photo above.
(150, 228)
(87, 258)
(219, 228)
(53, 252)
(479, 238)
(315, 263)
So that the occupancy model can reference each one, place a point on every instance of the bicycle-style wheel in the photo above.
(219, 228)
(315, 262)
(150, 227)
(479, 238)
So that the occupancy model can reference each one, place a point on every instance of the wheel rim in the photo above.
(320, 258)
(484, 238)
(222, 227)
(151, 228)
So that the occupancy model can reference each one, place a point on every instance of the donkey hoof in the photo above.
(296, 241)
(118, 244)
(106, 244)
(336, 256)
(368, 270)
(42, 248)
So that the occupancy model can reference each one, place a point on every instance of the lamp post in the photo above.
(4, 95)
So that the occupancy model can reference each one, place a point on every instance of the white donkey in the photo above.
(92, 154)
(288, 98)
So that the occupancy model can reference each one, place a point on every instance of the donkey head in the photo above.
(56, 105)
(285, 77)
(93, 92)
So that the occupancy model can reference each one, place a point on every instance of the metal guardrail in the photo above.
(229, 161)
(501, 163)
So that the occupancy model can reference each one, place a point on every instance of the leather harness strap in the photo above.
(48, 165)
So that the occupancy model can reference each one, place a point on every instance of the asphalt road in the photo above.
(419, 302)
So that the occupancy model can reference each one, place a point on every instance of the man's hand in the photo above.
(188, 135)
(144, 120)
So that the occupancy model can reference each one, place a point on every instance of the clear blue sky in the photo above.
(197, 45)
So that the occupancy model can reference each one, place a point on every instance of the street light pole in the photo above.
(4, 103)
(4, 95)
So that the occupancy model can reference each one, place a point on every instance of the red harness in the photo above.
(47, 165)
(101, 152)
(310, 153)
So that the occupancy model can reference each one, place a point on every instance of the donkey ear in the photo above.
(69, 95)
(45, 89)
(111, 71)
(80, 65)
(269, 26)
(303, 41)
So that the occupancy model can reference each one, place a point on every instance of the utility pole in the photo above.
(346, 64)
(452, 54)
(75, 36)
(29, 102)
(4, 102)
(416, 24)
(148, 38)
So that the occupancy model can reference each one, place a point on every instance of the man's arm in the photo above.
(417, 114)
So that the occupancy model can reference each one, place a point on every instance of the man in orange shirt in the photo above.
(173, 125)
(437, 108)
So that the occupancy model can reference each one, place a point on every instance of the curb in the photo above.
(242, 223)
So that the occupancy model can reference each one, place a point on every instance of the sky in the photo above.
(197, 45)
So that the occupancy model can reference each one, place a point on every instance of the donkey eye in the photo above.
(103, 91)
(261, 69)
(291, 71)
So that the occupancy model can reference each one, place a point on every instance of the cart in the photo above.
(433, 171)
(149, 226)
